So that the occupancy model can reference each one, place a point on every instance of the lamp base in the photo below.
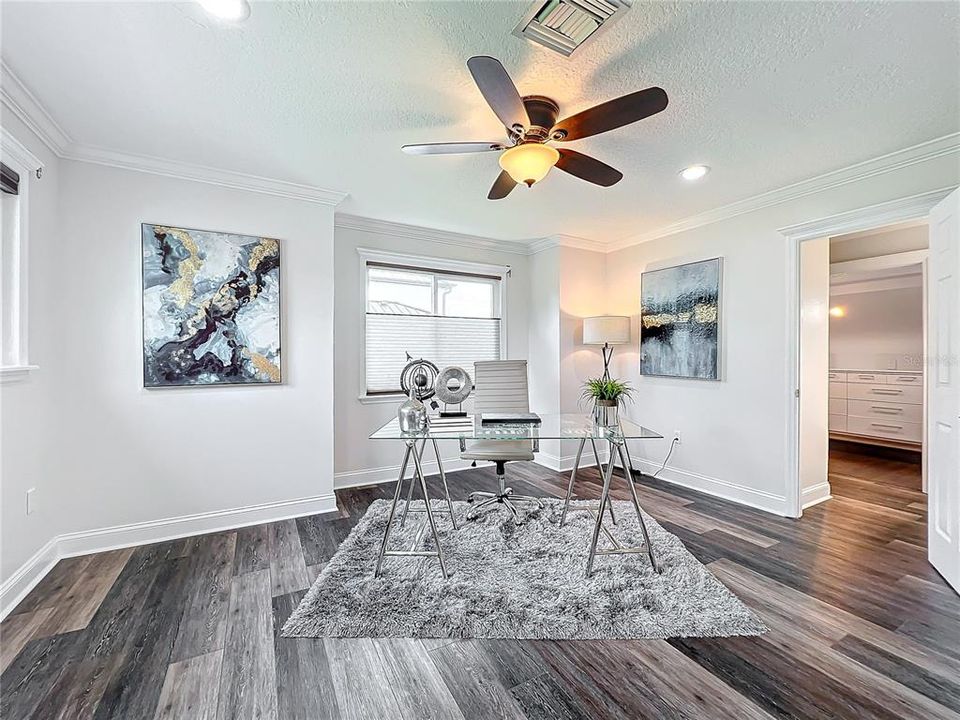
(607, 354)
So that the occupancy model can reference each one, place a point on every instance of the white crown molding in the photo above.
(561, 240)
(17, 155)
(415, 232)
(932, 149)
(895, 263)
(201, 173)
(22, 103)
(900, 282)
(895, 211)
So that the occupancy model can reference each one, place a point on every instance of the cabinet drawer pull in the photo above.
(886, 410)
(908, 378)
(880, 391)
(882, 425)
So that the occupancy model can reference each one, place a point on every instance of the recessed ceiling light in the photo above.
(234, 10)
(694, 172)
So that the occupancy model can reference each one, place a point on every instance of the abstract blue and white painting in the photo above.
(679, 321)
(211, 308)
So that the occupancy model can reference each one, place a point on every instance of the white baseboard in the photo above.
(15, 588)
(121, 536)
(816, 494)
(759, 499)
(375, 476)
(565, 463)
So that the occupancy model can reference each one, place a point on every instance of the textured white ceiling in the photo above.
(767, 93)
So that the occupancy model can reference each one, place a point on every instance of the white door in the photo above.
(943, 407)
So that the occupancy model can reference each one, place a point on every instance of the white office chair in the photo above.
(501, 387)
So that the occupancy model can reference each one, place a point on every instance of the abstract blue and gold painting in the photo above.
(679, 321)
(211, 308)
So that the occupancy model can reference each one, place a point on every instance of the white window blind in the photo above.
(446, 317)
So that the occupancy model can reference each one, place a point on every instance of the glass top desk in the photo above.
(563, 426)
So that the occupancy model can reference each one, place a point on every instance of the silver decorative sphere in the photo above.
(418, 376)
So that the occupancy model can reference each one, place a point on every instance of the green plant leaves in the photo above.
(601, 389)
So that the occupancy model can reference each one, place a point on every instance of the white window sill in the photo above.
(16, 373)
(382, 399)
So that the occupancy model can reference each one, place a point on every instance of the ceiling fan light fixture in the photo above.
(529, 163)
(231, 10)
(694, 172)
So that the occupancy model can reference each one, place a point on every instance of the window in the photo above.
(448, 316)
(16, 169)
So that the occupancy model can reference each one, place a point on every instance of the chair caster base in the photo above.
(504, 497)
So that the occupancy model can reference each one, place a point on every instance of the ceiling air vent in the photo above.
(564, 25)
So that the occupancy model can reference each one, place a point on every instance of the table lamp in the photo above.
(606, 330)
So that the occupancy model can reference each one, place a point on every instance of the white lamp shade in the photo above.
(606, 329)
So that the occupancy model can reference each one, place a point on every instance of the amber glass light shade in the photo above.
(529, 163)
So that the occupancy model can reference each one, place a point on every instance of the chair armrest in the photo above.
(536, 445)
(463, 445)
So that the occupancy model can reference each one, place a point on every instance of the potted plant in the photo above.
(607, 395)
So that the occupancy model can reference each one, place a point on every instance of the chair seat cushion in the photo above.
(498, 450)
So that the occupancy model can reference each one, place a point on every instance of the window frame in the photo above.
(424, 263)
(19, 159)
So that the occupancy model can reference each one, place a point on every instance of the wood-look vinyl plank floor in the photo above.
(861, 626)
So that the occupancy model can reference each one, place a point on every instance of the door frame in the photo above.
(914, 207)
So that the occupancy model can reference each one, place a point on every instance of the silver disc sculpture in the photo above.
(452, 387)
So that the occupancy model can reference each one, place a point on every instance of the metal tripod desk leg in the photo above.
(616, 449)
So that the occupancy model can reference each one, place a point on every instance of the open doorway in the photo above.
(887, 387)
(877, 336)
(861, 363)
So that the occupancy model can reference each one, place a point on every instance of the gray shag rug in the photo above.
(517, 581)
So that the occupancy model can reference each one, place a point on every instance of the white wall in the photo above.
(582, 294)
(359, 460)
(582, 279)
(814, 369)
(137, 454)
(881, 330)
(113, 453)
(567, 285)
(29, 409)
(543, 364)
(734, 440)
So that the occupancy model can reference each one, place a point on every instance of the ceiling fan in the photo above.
(531, 123)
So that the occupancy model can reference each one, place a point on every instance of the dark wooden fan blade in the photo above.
(501, 187)
(612, 114)
(452, 148)
(499, 91)
(588, 168)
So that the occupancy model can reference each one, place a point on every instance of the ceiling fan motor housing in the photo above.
(543, 113)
